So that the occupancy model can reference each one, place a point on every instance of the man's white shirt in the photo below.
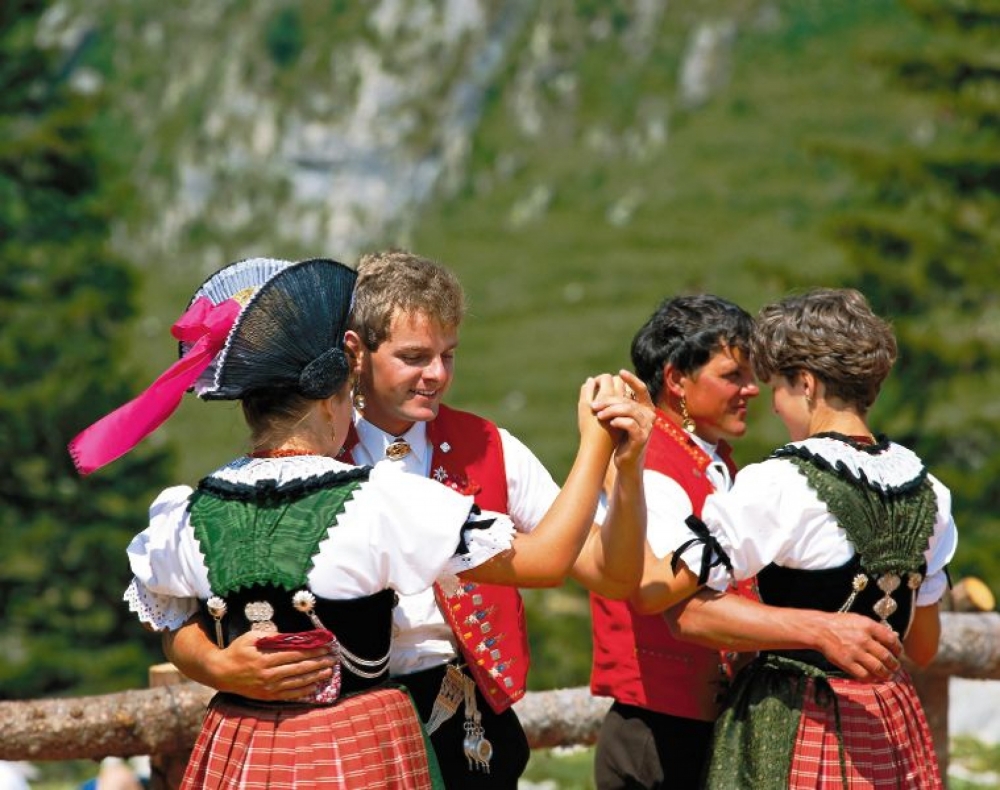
(421, 637)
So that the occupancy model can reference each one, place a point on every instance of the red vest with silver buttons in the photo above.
(488, 620)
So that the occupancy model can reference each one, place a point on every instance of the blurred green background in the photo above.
(573, 162)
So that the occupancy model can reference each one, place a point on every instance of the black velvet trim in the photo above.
(713, 554)
(271, 492)
(842, 471)
(463, 547)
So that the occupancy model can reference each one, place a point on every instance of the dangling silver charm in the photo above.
(885, 606)
(858, 583)
(217, 608)
(478, 750)
(448, 698)
(305, 602)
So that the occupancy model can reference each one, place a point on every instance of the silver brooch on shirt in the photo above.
(397, 449)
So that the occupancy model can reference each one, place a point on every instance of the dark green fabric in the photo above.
(263, 540)
(755, 734)
(890, 531)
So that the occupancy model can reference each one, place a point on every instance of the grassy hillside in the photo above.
(734, 203)
(593, 189)
(568, 230)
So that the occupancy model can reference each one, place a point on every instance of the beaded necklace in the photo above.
(280, 453)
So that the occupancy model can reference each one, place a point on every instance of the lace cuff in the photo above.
(712, 554)
(160, 612)
(484, 536)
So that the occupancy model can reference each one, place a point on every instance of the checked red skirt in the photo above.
(887, 743)
(371, 740)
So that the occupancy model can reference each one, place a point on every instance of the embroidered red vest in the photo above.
(637, 661)
(488, 620)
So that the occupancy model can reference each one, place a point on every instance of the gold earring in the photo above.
(359, 398)
(686, 422)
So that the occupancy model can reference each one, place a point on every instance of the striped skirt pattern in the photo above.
(886, 740)
(372, 740)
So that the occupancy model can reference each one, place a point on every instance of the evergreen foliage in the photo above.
(925, 248)
(64, 300)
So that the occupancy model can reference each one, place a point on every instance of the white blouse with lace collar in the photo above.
(399, 532)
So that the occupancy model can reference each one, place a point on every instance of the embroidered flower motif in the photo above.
(464, 486)
(445, 447)
(440, 474)
(304, 601)
(216, 607)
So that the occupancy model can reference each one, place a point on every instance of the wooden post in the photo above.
(166, 770)
(969, 595)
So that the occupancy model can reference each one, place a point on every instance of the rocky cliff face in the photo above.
(323, 127)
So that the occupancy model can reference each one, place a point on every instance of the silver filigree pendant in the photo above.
(259, 613)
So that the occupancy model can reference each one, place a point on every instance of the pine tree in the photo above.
(65, 301)
(926, 252)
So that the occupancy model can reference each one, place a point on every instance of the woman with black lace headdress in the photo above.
(305, 550)
(836, 520)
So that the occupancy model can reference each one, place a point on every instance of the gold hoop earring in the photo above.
(686, 422)
(358, 398)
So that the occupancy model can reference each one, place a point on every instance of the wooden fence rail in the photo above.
(163, 721)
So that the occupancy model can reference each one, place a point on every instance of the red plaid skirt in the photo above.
(887, 743)
(372, 740)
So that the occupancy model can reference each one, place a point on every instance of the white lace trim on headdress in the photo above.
(892, 468)
(160, 612)
(240, 281)
(484, 544)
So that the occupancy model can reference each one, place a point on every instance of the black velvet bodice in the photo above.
(828, 590)
(362, 625)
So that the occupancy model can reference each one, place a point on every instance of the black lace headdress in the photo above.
(257, 324)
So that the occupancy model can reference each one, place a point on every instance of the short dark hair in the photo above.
(686, 331)
(832, 333)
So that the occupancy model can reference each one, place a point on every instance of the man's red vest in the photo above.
(636, 659)
(488, 620)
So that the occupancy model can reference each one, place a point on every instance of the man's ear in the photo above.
(352, 342)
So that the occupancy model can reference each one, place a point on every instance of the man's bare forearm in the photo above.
(863, 648)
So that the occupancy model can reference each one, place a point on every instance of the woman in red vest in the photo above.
(693, 355)
(838, 520)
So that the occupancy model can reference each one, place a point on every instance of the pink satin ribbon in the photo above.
(206, 326)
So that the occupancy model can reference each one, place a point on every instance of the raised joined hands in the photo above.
(624, 409)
